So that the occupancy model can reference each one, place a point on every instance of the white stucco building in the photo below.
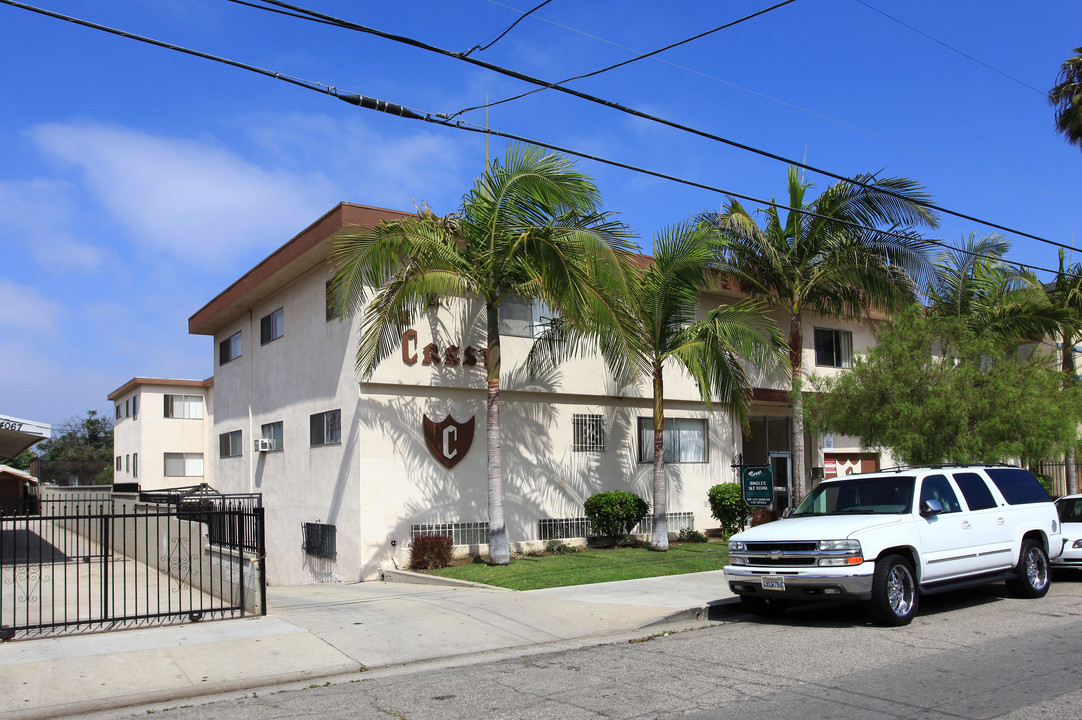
(343, 463)
(161, 432)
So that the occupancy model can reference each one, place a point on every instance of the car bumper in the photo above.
(1070, 557)
(801, 586)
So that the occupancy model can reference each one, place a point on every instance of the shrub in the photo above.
(613, 514)
(689, 535)
(431, 552)
(559, 547)
(728, 507)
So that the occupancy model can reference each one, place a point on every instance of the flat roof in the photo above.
(307, 250)
(161, 382)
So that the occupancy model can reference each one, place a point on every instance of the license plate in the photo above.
(773, 582)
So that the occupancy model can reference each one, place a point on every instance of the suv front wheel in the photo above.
(1031, 573)
(894, 591)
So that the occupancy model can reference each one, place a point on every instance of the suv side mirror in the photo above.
(930, 506)
(787, 512)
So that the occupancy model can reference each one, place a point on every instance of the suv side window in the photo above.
(1018, 486)
(975, 491)
(936, 487)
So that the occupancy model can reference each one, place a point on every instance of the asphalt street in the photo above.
(977, 654)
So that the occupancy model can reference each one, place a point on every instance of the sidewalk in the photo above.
(319, 631)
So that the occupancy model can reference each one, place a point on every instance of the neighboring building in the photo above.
(161, 432)
(351, 469)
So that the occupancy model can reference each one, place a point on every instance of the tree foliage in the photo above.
(727, 506)
(933, 391)
(1066, 98)
(83, 439)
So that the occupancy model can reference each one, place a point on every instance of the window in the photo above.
(332, 311)
(589, 433)
(184, 464)
(936, 487)
(118, 411)
(326, 427)
(273, 432)
(229, 349)
(184, 406)
(523, 318)
(319, 540)
(135, 465)
(271, 326)
(975, 491)
(135, 406)
(229, 444)
(127, 463)
(685, 440)
(833, 348)
(119, 463)
(1018, 486)
(127, 408)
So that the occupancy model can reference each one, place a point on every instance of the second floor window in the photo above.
(184, 406)
(274, 432)
(588, 432)
(271, 327)
(523, 318)
(833, 348)
(326, 427)
(229, 444)
(229, 349)
(184, 464)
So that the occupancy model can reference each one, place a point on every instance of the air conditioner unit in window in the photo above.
(262, 445)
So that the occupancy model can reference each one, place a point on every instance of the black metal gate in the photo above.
(76, 564)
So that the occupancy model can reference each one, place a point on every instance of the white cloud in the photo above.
(36, 214)
(25, 310)
(189, 199)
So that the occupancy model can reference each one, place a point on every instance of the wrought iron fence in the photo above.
(230, 519)
(566, 528)
(76, 564)
(461, 533)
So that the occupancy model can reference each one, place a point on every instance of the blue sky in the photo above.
(136, 183)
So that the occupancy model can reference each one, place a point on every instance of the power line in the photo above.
(438, 119)
(800, 108)
(510, 27)
(952, 48)
(642, 56)
(348, 25)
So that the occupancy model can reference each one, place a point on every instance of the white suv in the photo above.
(888, 537)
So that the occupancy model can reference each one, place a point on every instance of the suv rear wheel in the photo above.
(1031, 573)
(894, 591)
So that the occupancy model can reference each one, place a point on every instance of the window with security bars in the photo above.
(461, 533)
(564, 528)
(589, 433)
(319, 540)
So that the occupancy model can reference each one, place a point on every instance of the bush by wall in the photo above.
(431, 552)
(728, 507)
(614, 513)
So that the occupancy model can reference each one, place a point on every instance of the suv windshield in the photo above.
(884, 495)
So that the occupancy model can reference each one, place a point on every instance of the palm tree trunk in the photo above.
(796, 357)
(499, 551)
(659, 539)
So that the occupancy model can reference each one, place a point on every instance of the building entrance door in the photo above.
(779, 463)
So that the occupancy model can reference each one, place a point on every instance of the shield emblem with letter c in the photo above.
(448, 440)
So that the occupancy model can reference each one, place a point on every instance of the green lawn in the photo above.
(593, 566)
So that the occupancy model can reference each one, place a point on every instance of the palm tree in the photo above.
(1066, 297)
(1066, 98)
(530, 228)
(827, 257)
(661, 331)
(974, 284)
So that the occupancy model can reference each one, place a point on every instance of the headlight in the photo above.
(738, 561)
(1076, 545)
(737, 546)
(839, 545)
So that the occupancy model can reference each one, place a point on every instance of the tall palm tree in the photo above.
(1066, 297)
(827, 257)
(531, 227)
(973, 283)
(661, 331)
(1066, 98)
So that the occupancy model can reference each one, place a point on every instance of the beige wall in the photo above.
(150, 435)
